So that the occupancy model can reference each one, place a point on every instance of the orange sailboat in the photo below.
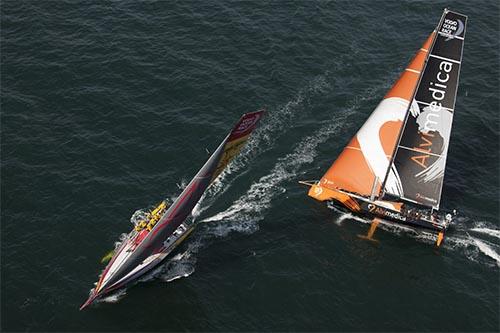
(393, 168)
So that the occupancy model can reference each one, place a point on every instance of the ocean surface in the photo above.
(109, 107)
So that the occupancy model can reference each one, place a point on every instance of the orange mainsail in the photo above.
(368, 154)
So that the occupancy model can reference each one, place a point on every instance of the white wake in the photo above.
(263, 139)
(245, 212)
(487, 249)
(473, 248)
(487, 231)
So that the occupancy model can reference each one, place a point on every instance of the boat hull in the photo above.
(104, 288)
(392, 211)
(371, 210)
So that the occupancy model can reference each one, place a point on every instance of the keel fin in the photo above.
(371, 231)
(439, 239)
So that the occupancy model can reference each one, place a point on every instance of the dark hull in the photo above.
(409, 216)
(396, 217)
(165, 254)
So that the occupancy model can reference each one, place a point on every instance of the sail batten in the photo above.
(417, 169)
(419, 150)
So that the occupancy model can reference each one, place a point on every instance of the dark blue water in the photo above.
(109, 107)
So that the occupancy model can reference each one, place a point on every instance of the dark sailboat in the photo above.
(393, 168)
(153, 239)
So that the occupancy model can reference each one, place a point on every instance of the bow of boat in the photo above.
(89, 301)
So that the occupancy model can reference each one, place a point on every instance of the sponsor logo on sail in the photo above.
(431, 123)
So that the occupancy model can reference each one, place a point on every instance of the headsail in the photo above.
(363, 164)
(417, 169)
(184, 204)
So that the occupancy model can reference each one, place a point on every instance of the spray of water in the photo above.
(487, 249)
(265, 136)
(490, 232)
(473, 248)
(246, 211)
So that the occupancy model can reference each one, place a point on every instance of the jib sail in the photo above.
(417, 170)
(363, 164)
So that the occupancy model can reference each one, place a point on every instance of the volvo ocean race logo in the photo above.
(452, 28)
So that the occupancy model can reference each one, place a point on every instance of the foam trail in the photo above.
(249, 207)
(179, 266)
(455, 242)
(345, 215)
(261, 193)
(182, 264)
(487, 231)
(472, 247)
(266, 134)
(113, 298)
(386, 226)
(197, 208)
(487, 250)
(261, 141)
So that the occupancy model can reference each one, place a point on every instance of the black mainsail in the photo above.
(417, 169)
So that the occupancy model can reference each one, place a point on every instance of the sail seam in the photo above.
(419, 151)
(444, 58)
(411, 200)
(443, 107)
(359, 149)
(450, 36)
